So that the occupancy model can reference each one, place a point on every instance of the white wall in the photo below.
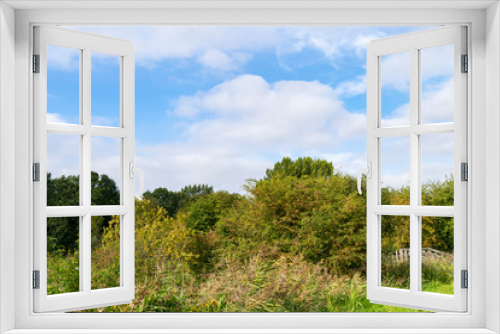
(492, 163)
(7, 160)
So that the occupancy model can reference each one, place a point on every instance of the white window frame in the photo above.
(413, 43)
(86, 44)
(484, 147)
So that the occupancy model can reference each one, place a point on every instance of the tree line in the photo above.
(303, 206)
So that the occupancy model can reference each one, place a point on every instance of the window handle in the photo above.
(134, 170)
(367, 171)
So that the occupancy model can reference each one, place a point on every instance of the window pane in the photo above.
(63, 255)
(105, 89)
(106, 161)
(63, 85)
(395, 170)
(63, 170)
(437, 84)
(437, 254)
(395, 89)
(395, 252)
(105, 232)
(437, 169)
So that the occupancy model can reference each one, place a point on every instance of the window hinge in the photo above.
(36, 63)
(465, 279)
(464, 172)
(465, 64)
(36, 172)
(36, 279)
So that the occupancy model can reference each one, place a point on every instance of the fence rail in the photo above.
(403, 254)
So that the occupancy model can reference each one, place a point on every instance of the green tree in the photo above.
(305, 166)
(203, 212)
(63, 191)
(173, 201)
(104, 190)
(63, 232)
(306, 213)
(169, 200)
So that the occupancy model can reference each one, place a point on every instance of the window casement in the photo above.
(83, 132)
(412, 134)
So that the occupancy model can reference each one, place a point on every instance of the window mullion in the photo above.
(414, 173)
(85, 238)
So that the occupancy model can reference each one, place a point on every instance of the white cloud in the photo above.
(395, 161)
(438, 102)
(63, 154)
(395, 72)
(62, 58)
(437, 156)
(347, 162)
(55, 118)
(218, 60)
(435, 62)
(218, 46)
(294, 114)
(214, 47)
(352, 88)
(399, 117)
(239, 128)
(437, 106)
(436, 149)
(396, 180)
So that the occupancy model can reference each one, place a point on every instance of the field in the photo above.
(285, 285)
(295, 243)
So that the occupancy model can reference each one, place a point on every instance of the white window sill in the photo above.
(250, 331)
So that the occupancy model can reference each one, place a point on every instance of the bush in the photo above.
(318, 217)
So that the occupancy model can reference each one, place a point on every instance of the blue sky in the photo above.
(219, 105)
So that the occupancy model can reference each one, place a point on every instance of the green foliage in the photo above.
(162, 242)
(301, 167)
(64, 191)
(204, 211)
(173, 201)
(103, 190)
(295, 243)
(322, 219)
(169, 200)
(63, 233)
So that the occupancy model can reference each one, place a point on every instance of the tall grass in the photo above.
(262, 283)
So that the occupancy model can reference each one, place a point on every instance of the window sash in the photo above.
(86, 297)
(414, 298)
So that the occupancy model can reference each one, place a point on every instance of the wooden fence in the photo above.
(403, 254)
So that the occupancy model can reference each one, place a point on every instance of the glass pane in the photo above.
(105, 232)
(437, 169)
(395, 170)
(105, 89)
(63, 170)
(437, 254)
(106, 170)
(437, 84)
(395, 90)
(63, 255)
(395, 252)
(63, 85)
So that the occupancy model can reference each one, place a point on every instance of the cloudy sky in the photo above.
(219, 105)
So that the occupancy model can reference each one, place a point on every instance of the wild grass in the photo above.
(294, 244)
(259, 284)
